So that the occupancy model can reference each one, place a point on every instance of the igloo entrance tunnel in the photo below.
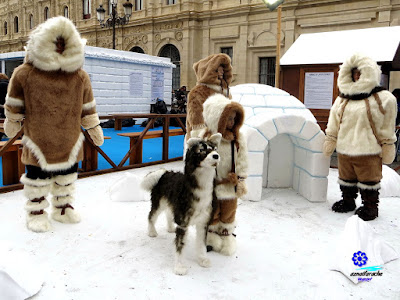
(284, 143)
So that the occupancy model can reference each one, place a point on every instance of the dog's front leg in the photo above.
(203, 261)
(180, 268)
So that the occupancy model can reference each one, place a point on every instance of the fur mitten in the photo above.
(241, 188)
(329, 145)
(233, 178)
(11, 128)
(96, 133)
(388, 153)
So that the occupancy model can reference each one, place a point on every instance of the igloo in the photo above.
(284, 143)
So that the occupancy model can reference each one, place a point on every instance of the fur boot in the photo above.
(36, 191)
(348, 203)
(214, 240)
(63, 190)
(370, 200)
(228, 239)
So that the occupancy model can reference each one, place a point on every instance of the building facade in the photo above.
(188, 30)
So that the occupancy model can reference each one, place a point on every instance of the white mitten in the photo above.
(96, 133)
(388, 153)
(11, 128)
(241, 188)
(329, 146)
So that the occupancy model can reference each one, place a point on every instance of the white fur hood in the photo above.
(369, 78)
(41, 48)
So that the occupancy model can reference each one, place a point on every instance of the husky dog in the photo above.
(187, 197)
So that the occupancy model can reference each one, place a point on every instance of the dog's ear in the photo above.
(193, 141)
(215, 138)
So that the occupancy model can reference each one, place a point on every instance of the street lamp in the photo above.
(272, 4)
(114, 19)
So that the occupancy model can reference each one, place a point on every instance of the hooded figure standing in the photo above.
(214, 75)
(53, 97)
(226, 117)
(361, 127)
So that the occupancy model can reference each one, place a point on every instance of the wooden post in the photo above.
(278, 46)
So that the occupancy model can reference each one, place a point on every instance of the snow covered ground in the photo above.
(285, 246)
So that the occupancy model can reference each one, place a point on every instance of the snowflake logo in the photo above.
(360, 258)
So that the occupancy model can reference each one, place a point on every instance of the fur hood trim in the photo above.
(41, 48)
(206, 69)
(216, 110)
(369, 79)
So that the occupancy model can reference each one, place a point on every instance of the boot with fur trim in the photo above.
(370, 200)
(214, 240)
(228, 238)
(348, 202)
(36, 190)
(63, 190)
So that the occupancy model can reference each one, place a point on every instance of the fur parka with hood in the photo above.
(217, 109)
(208, 84)
(52, 95)
(362, 119)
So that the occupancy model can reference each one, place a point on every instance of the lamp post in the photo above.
(114, 18)
(272, 4)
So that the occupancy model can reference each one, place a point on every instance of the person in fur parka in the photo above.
(226, 117)
(214, 75)
(52, 95)
(361, 127)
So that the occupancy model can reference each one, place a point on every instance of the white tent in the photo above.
(284, 143)
(381, 44)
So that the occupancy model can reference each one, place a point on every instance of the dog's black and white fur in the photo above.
(187, 197)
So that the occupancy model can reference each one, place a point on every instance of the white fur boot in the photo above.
(228, 239)
(63, 190)
(36, 190)
(214, 241)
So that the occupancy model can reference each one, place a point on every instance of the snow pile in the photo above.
(361, 249)
(284, 143)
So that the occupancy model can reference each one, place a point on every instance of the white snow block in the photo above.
(269, 112)
(268, 129)
(255, 140)
(360, 240)
(309, 130)
(314, 189)
(296, 178)
(254, 187)
(315, 144)
(289, 124)
(307, 114)
(252, 100)
(256, 162)
(316, 164)
(248, 113)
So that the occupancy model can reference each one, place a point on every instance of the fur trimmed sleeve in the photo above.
(387, 131)
(90, 118)
(197, 96)
(14, 107)
(242, 158)
(333, 121)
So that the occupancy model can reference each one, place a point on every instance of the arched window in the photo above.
(86, 9)
(46, 13)
(5, 28)
(137, 49)
(172, 52)
(16, 24)
(66, 12)
(31, 23)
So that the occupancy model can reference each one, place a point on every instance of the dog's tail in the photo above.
(151, 179)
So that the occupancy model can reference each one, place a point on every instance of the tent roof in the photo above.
(381, 44)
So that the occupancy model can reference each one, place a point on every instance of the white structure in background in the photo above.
(122, 81)
(284, 143)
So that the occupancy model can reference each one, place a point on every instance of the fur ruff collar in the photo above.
(369, 79)
(362, 96)
(41, 48)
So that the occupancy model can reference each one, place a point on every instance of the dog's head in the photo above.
(203, 152)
